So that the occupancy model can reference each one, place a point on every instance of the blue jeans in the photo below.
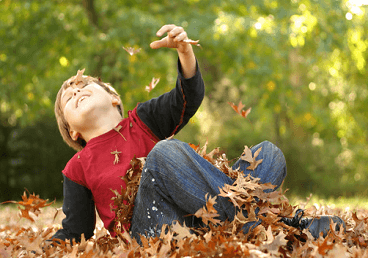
(175, 180)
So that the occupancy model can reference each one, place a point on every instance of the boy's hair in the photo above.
(81, 80)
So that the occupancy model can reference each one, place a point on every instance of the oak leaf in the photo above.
(249, 157)
(208, 212)
(131, 50)
(32, 204)
(238, 109)
(152, 84)
(181, 232)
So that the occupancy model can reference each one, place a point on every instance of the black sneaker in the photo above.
(314, 225)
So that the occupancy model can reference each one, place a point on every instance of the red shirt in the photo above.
(96, 168)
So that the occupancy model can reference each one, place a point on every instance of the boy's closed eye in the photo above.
(70, 94)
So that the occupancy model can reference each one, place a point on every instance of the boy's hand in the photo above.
(176, 37)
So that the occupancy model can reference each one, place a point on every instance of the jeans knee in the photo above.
(165, 155)
(273, 150)
(164, 147)
(275, 154)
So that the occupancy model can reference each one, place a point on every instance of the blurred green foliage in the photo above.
(300, 65)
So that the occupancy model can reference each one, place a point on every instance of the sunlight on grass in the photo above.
(353, 203)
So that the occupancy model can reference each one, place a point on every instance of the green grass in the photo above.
(352, 203)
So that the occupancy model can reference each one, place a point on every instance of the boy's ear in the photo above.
(74, 135)
(115, 100)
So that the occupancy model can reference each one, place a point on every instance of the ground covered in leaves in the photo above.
(26, 237)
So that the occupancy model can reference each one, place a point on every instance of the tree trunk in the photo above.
(5, 193)
(91, 12)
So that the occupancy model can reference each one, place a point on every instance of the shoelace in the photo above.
(297, 221)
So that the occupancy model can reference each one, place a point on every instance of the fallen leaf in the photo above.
(249, 157)
(208, 213)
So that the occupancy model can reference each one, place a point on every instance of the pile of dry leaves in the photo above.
(219, 239)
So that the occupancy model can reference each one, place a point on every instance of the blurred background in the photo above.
(300, 65)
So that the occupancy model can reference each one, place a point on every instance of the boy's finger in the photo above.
(164, 29)
(159, 43)
(181, 36)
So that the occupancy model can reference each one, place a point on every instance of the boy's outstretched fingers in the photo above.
(167, 28)
(175, 38)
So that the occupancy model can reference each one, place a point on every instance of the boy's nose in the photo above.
(75, 91)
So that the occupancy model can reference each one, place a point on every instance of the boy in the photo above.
(89, 115)
(174, 180)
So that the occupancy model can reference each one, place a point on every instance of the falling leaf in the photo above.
(79, 76)
(238, 109)
(131, 50)
(153, 84)
(78, 79)
(32, 204)
(57, 212)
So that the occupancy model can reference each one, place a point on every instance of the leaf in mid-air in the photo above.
(238, 109)
(32, 204)
(152, 84)
(131, 50)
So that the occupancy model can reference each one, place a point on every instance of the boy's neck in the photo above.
(100, 126)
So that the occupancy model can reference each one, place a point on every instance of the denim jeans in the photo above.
(175, 180)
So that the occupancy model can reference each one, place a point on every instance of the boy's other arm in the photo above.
(79, 209)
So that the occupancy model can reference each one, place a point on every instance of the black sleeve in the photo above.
(168, 113)
(79, 209)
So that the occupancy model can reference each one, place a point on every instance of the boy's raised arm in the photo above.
(176, 38)
(169, 113)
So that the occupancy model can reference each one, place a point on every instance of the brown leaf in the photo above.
(31, 204)
(247, 156)
(152, 84)
(274, 243)
(238, 109)
(192, 42)
(181, 232)
(208, 212)
(194, 147)
(117, 129)
(131, 50)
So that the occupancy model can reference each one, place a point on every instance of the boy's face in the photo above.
(84, 104)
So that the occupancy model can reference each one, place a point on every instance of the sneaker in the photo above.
(314, 225)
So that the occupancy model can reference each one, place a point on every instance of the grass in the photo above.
(351, 203)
